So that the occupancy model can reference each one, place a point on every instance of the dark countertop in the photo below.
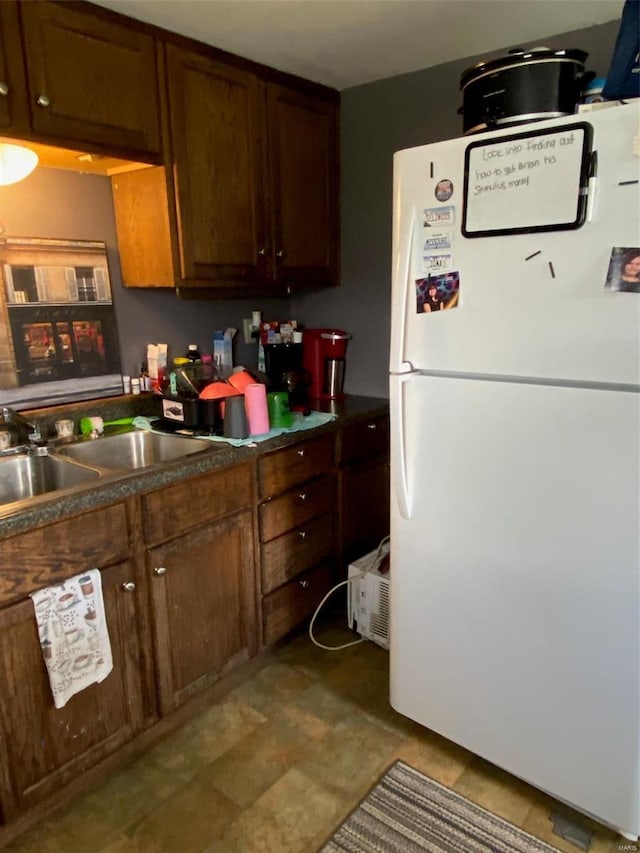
(119, 485)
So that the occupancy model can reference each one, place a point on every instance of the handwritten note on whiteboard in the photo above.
(533, 181)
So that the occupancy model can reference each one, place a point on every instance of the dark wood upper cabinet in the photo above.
(91, 80)
(13, 104)
(216, 137)
(255, 176)
(246, 177)
(303, 149)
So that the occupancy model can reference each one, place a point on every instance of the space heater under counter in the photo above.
(368, 599)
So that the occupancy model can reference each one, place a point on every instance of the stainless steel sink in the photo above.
(135, 449)
(25, 476)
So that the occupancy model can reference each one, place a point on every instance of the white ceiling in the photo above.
(344, 43)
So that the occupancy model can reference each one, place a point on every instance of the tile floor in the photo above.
(277, 763)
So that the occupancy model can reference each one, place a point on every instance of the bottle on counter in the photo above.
(193, 354)
(145, 379)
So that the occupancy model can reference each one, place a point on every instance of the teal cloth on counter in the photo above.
(301, 422)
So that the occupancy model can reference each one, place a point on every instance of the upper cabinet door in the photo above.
(216, 130)
(303, 136)
(90, 80)
(13, 104)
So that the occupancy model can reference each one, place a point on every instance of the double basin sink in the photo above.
(25, 476)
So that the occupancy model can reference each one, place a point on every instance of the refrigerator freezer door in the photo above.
(515, 627)
(530, 305)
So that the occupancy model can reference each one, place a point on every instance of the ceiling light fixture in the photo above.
(16, 162)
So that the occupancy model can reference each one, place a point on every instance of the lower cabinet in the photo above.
(200, 571)
(44, 748)
(203, 606)
(363, 485)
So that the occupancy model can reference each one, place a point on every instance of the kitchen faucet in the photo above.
(27, 434)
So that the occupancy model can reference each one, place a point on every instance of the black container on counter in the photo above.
(180, 412)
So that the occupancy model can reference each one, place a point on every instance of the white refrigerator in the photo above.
(515, 460)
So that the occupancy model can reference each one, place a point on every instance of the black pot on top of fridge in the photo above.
(523, 86)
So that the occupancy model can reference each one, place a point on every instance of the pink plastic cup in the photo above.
(255, 400)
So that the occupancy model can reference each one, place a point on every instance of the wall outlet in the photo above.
(248, 331)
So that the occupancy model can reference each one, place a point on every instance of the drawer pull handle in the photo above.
(129, 586)
(302, 452)
(372, 426)
(43, 101)
(303, 496)
(302, 534)
(159, 571)
(304, 584)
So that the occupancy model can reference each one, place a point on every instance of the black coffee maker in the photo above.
(283, 366)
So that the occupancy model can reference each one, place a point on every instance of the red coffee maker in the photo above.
(324, 358)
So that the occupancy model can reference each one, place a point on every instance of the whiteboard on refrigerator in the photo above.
(525, 182)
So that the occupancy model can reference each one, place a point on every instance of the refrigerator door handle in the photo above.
(403, 290)
(399, 472)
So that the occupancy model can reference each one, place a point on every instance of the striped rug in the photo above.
(407, 812)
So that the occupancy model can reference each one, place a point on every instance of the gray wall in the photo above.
(377, 120)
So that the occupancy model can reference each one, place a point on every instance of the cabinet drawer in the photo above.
(286, 468)
(295, 507)
(289, 555)
(50, 554)
(364, 439)
(291, 604)
(175, 509)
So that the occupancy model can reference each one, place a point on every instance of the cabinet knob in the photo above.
(372, 426)
(302, 452)
(304, 584)
(160, 570)
(128, 586)
(262, 252)
(280, 253)
(4, 88)
(43, 101)
(302, 534)
(303, 496)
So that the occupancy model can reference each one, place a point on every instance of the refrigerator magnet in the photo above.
(623, 274)
(438, 216)
(436, 263)
(437, 292)
(435, 241)
(444, 190)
